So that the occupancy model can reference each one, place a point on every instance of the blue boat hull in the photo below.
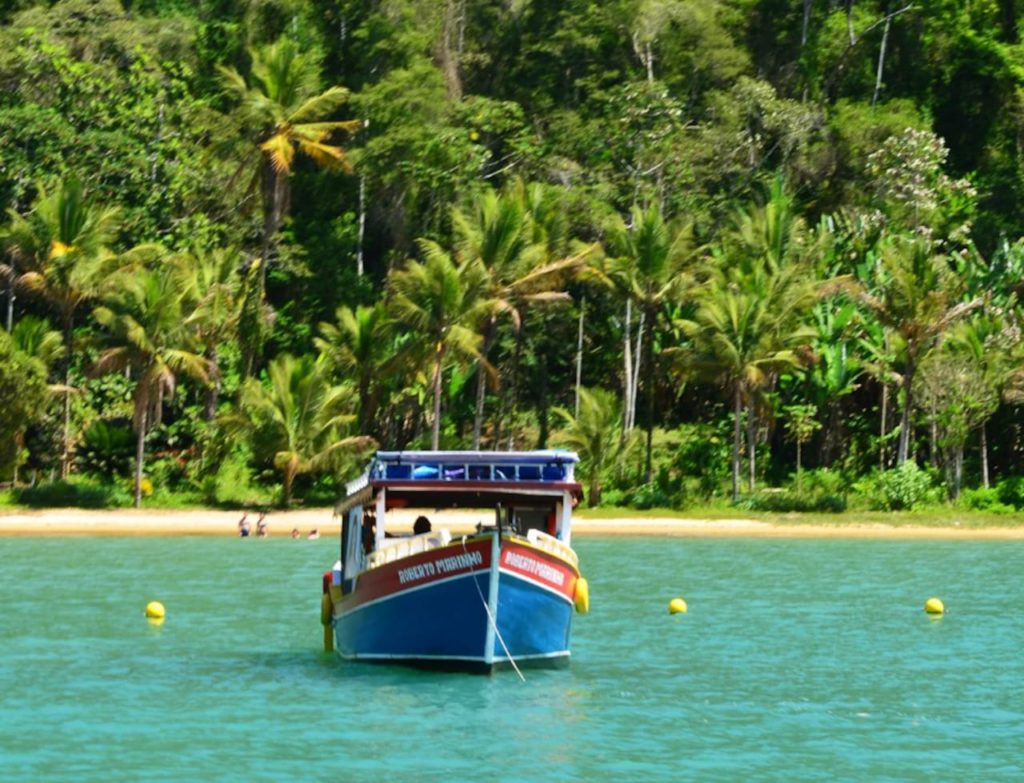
(446, 623)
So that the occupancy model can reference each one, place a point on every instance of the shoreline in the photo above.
(158, 522)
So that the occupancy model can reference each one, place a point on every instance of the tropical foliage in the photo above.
(785, 240)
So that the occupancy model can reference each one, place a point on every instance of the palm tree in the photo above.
(594, 433)
(502, 232)
(212, 285)
(300, 415)
(148, 337)
(442, 304)
(288, 115)
(357, 344)
(648, 265)
(916, 298)
(746, 329)
(60, 253)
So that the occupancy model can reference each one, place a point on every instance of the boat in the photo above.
(498, 593)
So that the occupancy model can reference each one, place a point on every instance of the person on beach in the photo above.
(295, 532)
(421, 525)
(261, 526)
(243, 526)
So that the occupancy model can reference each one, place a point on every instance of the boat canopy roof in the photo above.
(467, 479)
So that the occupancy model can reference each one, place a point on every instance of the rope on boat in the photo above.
(490, 618)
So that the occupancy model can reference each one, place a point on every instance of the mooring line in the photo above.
(490, 617)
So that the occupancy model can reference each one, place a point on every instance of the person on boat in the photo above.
(314, 534)
(421, 525)
(243, 526)
(369, 532)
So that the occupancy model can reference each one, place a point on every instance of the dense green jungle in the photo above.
(761, 254)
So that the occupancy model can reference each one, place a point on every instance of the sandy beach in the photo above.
(147, 522)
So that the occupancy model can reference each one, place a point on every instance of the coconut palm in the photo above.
(442, 303)
(59, 253)
(917, 299)
(503, 232)
(594, 433)
(287, 115)
(358, 344)
(147, 336)
(747, 328)
(648, 265)
(300, 416)
(212, 285)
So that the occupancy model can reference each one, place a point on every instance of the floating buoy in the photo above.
(677, 606)
(934, 606)
(581, 598)
(155, 612)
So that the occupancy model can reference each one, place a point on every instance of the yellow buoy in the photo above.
(155, 610)
(581, 598)
(934, 606)
(677, 606)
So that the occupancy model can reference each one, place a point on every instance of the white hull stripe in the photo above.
(474, 658)
(535, 583)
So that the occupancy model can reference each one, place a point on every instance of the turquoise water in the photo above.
(798, 660)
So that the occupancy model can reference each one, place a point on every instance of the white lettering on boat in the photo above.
(535, 567)
(445, 565)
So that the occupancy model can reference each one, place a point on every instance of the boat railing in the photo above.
(548, 543)
(397, 548)
(498, 470)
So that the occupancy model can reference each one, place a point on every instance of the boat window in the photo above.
(554, 472)
(480, 472)
(506, 472)
(425, 472)
(399, 471)
(455, 471)
(529, 472)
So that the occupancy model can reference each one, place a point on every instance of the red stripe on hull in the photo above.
(418, 570)
(539, 567)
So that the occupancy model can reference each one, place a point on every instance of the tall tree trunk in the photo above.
(984, 457)
(649, 391)
(958, 471)
(627, 360)
(481, 382)
(10, 303)
(849, 23)
(751, 444)
(274, 206)
(908, 403)
(513, 392)
(882, 429)
(881, 58)
(634, 394)
(362, 224)
(140, 453)
(737, 412)
(448, 54)
(65, 458)
(579, 355)
(213, 390)
(435, 437)
(798, 487)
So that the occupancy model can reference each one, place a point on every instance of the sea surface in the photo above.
(797, 661)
